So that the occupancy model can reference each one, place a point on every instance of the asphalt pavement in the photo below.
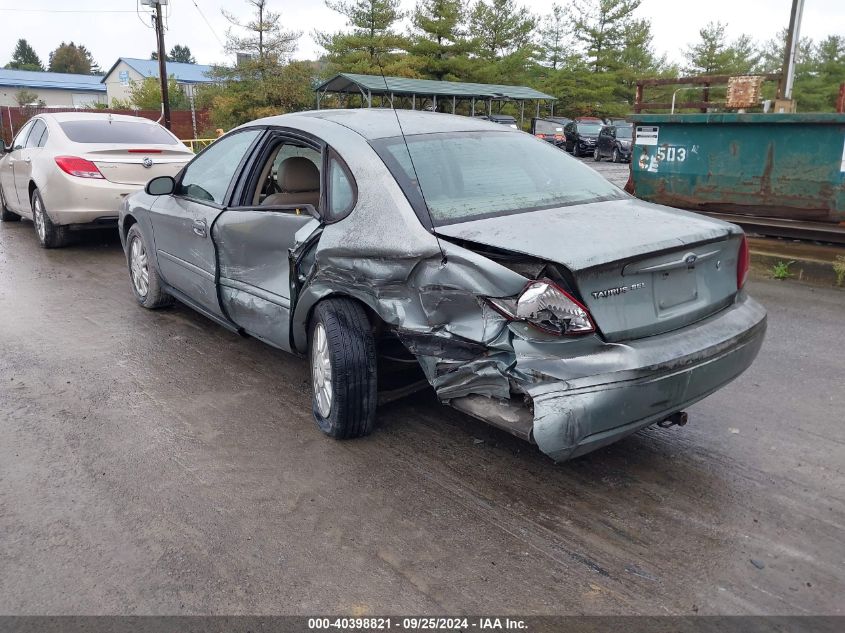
(154, 463)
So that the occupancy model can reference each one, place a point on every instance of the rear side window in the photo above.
(20, 139)
(38, 130)
(341, 191)
(123, 132)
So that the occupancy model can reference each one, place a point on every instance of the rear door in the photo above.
(182, 222)
(256, 241)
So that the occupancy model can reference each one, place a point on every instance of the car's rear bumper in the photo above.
(76, 201)
(584, 402)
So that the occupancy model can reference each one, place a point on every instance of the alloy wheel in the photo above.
(139, 267)
(38, 218)
(321, 371)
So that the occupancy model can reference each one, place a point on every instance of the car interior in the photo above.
(290, 177)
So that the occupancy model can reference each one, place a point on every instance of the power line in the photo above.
(67, 10)
(207, 23)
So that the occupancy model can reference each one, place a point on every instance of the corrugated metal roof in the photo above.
(184, 73)
(56, 81)
(376, 84)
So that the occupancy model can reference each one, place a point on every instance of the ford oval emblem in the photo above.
(147, 162)
(690, 260)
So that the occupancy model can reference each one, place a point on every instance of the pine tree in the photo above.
(265, 40)
(715, 55)
(25, 57)
(438, 40)
(178, 53)
(501, 28)
(372, 45)
(601, 26)
(554, 37)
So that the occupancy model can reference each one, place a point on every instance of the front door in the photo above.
(280, 211)
(23, 166)
(182, 222)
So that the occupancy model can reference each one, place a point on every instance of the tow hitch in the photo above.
(676, 419)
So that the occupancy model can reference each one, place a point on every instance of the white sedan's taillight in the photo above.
(548, 307)
(79, 167)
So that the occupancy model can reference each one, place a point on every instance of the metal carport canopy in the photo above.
(376, 84)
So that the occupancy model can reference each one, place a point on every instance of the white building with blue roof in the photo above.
(127, 70)
(51, 89)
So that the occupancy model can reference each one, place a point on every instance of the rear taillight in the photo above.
(547, 307)
(79, 167)
(743, 263)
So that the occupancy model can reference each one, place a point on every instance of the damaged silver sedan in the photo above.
(399, 249)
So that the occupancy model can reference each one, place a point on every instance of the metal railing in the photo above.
(196, 144)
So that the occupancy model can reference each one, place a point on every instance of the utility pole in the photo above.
(162, 62)
(793, 38)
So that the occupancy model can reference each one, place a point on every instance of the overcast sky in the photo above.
(112, 29)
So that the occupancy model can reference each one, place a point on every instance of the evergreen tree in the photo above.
(178, 53)
(372, 44)
(438, 40)
(501, 28)
(25, 57)
(264, 41)
(554, 37)
(602, 26)
(715, 55)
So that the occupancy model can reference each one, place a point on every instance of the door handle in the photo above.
(27, 160)
(199, 228)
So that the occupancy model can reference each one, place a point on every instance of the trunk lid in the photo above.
(641, 269)
(138, 166)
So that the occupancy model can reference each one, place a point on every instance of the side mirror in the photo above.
(4, 149)
(161, 186)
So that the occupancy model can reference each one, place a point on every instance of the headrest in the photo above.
(298, 174)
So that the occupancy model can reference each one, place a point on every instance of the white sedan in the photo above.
(71, 170)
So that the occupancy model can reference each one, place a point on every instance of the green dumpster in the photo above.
(788, 166)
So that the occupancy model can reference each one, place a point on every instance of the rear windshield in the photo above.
(104, 131)
(471, 175)
(589, 128)
(547, 127)
(624, 132)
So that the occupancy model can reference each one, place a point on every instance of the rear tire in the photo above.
(615, 156)
(5, 214)
(49, 235)
(575, 152)
(143, 276)
(596, 155)
(343, 369)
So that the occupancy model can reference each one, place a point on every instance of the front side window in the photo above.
(472, 175)
(20, 139)
(38, 130)
(207, 178)
(624, 132)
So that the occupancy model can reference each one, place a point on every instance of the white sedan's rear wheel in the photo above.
(5, 214)
(49, 235)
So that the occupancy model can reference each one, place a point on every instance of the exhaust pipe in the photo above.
(676, 419)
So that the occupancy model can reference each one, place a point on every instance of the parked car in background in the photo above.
(550, 129)
(501, 119)
(581, 136)
(71, 170)
(522, 286)
(614, 142)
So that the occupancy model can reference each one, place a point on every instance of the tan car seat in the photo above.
(299, 180)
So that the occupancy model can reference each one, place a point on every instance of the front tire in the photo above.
(616, 155)
(596, 155)
(575, 151)
(49, 235)
(5, 214)
(143, 276)
(343, 369)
